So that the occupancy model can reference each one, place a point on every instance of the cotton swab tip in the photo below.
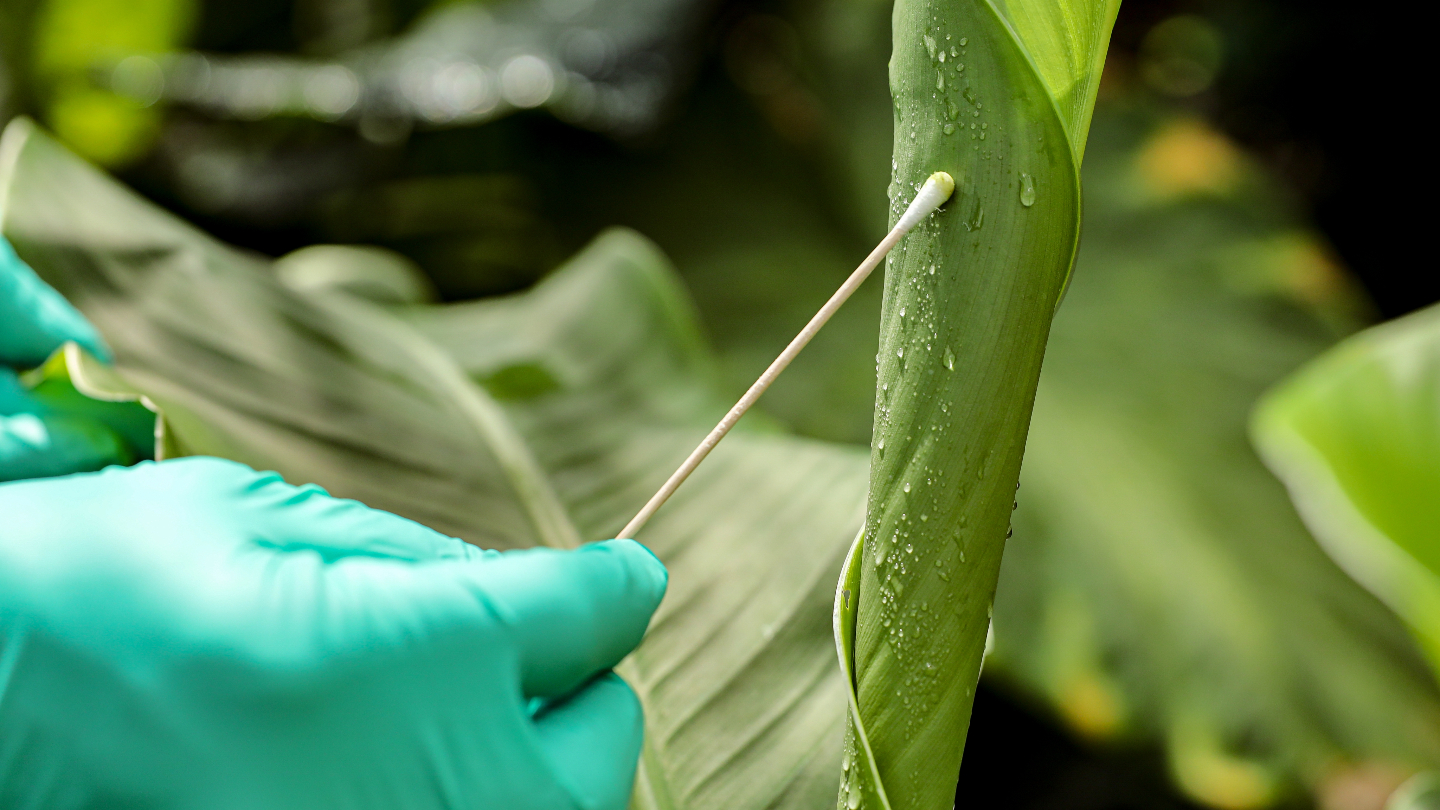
(937, 189)
(944, 182)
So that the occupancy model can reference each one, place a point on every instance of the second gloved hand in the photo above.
(54, 430)
(193, 634)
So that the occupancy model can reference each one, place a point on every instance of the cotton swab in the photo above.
(936, 190)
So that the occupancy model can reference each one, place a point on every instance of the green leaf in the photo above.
(1197, 285)
(65, 385)
(1066, 42)
(860, 775)
(744, 703)
(372, 273)
(324, 389)
(1355, 435)
(743, 700)
(1422, 792)
(968, 302)
(1159, 586)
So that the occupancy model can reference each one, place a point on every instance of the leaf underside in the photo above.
(540, 418)
(743, 701)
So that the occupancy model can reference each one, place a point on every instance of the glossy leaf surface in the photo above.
(968, 301)
(1355, 436)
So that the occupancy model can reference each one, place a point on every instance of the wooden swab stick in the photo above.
(932, 195)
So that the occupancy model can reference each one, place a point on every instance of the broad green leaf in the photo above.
(1355, 435)
(1197, 285)
(321, 389)
(1205, 286)
(968, 301)
(1148, 535)
(744, 704)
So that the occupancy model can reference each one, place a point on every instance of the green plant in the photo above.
(999, 96)
(549, 417)
(536, 419)
(1355, 435)
(1148, 535)
(1159, 585)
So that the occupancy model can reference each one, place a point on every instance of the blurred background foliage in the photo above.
(1166, 631)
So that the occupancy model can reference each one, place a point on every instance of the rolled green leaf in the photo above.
(998, 95)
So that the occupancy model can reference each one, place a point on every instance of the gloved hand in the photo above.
(55, 430)
(194, 634)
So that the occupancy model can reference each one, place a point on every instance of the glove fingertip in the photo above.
(39, 318)
(65, 323)
(593, 741)
(33, 446)
(647, 575)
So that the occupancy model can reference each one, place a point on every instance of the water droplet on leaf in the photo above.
(977, 220)
(1027, 189)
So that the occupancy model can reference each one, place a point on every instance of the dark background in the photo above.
(1017, 760)
(1316, 89)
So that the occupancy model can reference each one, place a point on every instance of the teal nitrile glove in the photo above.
(194, 634)
(40, 437)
